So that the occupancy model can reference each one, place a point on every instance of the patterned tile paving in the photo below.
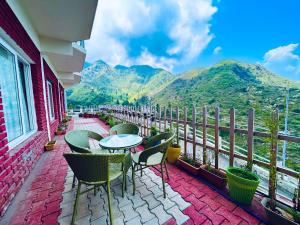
(50, 197)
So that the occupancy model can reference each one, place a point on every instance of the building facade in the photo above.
(40, 56)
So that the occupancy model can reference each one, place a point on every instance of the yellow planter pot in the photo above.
(173, 154)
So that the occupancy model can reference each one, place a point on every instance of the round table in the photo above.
(121, 141)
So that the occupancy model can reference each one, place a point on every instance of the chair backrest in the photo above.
(90, 168)
(78, 140)
(152, 147)
(124, 128)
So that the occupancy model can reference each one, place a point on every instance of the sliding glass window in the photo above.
(17, 96)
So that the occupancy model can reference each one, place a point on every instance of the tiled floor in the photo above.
(49, 198)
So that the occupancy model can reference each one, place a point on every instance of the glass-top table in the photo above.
(121, 141)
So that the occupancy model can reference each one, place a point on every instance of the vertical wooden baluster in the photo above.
(159, 122)
(155, 122)
(144, 122)
(171, 118)
(273, 156)
(177, 124)
(147, 120)
(194, 131)
(232, 136)
(204, 121)
(165, 118)
(184, 130)
(250, 138)
(217, 126)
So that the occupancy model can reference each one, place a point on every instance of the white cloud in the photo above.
(191, 30)
(147, 58)
(284, 61)
(217, 50)
(118, 21)
(281, 53)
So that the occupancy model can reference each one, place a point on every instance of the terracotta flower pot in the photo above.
(273, 217)
(50, 146)
(216, 177)
(188, 167)
(60, 132)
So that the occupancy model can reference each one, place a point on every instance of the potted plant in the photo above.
(50, 145)
(278, 213)
(60, 130)
(111, 122)
(242, 184)
(153, 132)
(215, 176)
(174, 150)
(188, 164)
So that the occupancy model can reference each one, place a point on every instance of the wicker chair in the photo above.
(153, 155)
(96, 170)
(78, 141)
(124, 128)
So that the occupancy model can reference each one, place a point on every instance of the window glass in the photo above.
(25, 96)
(10, 97)
(50, 100)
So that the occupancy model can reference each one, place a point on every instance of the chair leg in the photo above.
(123, 184)
(76, 203)
(73, 183)
(95, 190)
(133, 181)
(141, 171)
(163, 181)
(166, 170)
(109, 203)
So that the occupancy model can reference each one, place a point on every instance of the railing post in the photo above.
(185, 131)
(144, 122)
(204, 134)
(250, 138)
(154, 115)
(194, 131)
(171, 118)
(232, 136)
(177, 124)
(165, 118)
(273, 157)
(217, 131)
(159, 122)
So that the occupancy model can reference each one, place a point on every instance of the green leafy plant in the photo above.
(111, 122)
(190, 161)
(272, 123)
(153, 130)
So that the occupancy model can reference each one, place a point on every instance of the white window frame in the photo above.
(50, 101)
(18, 58)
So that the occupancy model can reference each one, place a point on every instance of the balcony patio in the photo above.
(47, 196)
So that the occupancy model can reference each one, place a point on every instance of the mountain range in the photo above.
(226, 84)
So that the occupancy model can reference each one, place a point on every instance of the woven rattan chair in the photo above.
(154, 154)
(124, 128)
(78, 141)
(97, 170)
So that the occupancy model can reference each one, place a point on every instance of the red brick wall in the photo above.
(49, 76)
(16, 163)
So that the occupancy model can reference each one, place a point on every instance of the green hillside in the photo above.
(227, 84)
(102, 84)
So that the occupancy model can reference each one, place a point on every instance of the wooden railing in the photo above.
(166, 118)
(145, 116)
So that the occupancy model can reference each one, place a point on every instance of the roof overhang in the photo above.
(54, 26)
(70, 79)
(61, 19)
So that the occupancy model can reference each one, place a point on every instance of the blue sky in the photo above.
(181, 35)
